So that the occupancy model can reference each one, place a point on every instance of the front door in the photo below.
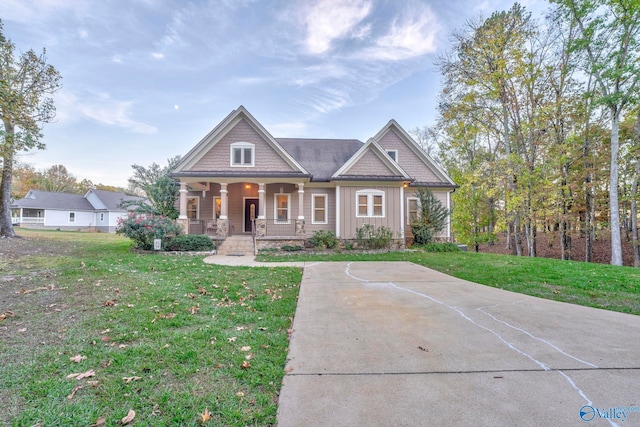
(250, 213)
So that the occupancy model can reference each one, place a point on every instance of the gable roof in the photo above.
(36, 199)
(112, 200)
(212, 138)
(392, 125)
(321, 157)
(393, 170)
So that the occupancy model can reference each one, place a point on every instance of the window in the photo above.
(217, 207)
(412, 209)
(393, 154)
(281, 207)
(72, 217)
(242, 154)
(192, 207)
(319, 209)
(370, 203)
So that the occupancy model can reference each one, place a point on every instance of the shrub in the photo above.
(291, 248)
(432, 217)
(190, 242)
(323, 239)
(370, 237)
(440, 247)
(143, 229)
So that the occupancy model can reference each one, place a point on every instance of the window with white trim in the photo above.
(319, 209)
(370, 203)
(193, 205)
(393, 154)
(281, 207)
(242, 154)
(413, 209)
(72, 217)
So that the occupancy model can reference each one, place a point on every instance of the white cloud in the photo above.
(411, 34)
(157, 55)
(101, 109)
(329, 20)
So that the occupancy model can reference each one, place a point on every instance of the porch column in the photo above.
(223, 201)
(300, 201)
(262, 208)
(183, 200)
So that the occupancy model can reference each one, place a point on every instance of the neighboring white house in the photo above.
(97, 210)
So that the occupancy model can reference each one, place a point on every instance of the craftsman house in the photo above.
(240, 179)
(96, 210)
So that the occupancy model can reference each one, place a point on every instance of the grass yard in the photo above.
(593, 285)
(176, 341)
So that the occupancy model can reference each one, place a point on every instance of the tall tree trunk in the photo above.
(6, 226)
(634, 215)
(616, 241)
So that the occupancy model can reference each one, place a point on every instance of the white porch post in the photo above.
(183, 200)
(338, 213)
(402, 202)
(223, 201)
(300, 201)
(262, 208)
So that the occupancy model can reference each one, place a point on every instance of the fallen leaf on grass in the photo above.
(195, 308)
(6, 314)
(79, 376)
(246, 348)
(100, 422)
(109, 303)
(73, 392)
(43, 288)
(77, 358)
(202, 291)
(130, 416)
(206, 415)
(232, 339)
(240, 394)
(246, 364)
(127, 380)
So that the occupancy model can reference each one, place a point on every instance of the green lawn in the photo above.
(594, 285)
(166, 336)
(174, 339)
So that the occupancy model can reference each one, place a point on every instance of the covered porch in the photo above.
(265, 209)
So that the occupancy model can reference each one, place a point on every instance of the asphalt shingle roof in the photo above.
(320, 157)
(50, 200)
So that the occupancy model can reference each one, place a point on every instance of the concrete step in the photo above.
(237, 245)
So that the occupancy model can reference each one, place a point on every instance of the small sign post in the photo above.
(157, 244)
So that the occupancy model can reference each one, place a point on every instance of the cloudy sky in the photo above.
(144, 80)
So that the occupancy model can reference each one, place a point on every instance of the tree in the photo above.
(25, 85)
(431, 219)
(158, 187)
(57, 179)
(610, 46)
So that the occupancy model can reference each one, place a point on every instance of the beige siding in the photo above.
(370, 164)
(265, 157)
(331, 210)
(407, 159)
(348, 220)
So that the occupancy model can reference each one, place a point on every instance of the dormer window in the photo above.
(242, 154)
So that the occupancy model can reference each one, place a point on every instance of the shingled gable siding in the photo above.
(219, 157)
(407, 159)
(349, 222)
(370, 164)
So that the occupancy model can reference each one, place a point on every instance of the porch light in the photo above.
(247, 186)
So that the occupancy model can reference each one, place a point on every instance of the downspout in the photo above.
(402, 213)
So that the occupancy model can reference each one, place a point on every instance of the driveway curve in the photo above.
(397, 344)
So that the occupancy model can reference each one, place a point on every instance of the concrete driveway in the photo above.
(396, 344)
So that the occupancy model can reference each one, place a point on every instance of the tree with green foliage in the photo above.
(609, 42)
(431, 219)
(26, 82)
(161, 190)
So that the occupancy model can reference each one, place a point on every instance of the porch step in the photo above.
(237, 246)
